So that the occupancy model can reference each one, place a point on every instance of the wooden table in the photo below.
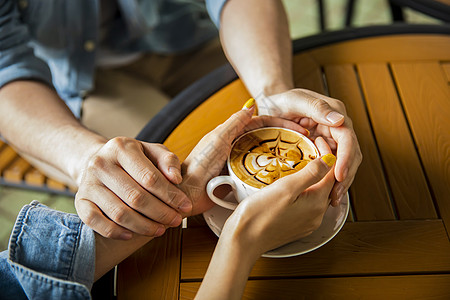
(395, 243)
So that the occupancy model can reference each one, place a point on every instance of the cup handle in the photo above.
(213, 184)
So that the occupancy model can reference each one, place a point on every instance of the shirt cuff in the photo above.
(52, 253)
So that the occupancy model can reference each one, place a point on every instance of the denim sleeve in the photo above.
(51, 256)
(17, 59)
(215, 10)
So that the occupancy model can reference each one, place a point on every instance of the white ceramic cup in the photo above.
(242, 190)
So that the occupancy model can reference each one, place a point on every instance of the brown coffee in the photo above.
(262, 156)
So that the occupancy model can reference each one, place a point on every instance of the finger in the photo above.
(166, 161)
(118, 212)
(348, 153)
(322, 146)
(316, 108)
(269, 121)
(93, 217)
(142, 170)
(314, 172)
(140, 200)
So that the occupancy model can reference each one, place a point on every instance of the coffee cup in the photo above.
(259, 158)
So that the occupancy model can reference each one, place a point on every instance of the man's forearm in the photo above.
(36, 122)
(256, 40)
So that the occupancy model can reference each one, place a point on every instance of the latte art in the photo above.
(265, 155)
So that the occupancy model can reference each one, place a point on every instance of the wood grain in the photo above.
(152, 272)
(369, 191)
(446, 68)
(7, 156)
(393, 48)
(361, 248)
(425, 97)
(34, 177)
(396, 146)
(371, 287)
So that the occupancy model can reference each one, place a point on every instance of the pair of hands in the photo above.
(132, 186)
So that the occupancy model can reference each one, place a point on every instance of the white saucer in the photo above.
(332, 223)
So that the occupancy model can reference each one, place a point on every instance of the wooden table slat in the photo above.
(383, 49)
(381, 287)
(426, 103)
(446, 68)
(368, 247)
(369, 191)
(401, 162)
(155, 276)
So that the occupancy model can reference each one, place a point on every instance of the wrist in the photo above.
(91, 144)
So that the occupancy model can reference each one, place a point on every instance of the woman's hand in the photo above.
(289, 209)
(322, 116)
(208, 158)
(130, 186)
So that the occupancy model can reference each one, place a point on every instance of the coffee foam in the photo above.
(261, 157)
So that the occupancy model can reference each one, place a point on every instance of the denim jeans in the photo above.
(51, 255)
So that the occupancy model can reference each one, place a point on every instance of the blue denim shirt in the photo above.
(56, 41)
(51, 255)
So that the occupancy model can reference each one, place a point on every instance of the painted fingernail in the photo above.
(329, 159)
(160, 231)
(249, 104)
(307, 132)
(126, 235)
(186, 206)
(334, 117)
(176, 221)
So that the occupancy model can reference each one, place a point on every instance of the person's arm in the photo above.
(255, 38)
(124, 185)
(297, 204)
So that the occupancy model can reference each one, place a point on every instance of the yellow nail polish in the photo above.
(249, 104)
(329, 159)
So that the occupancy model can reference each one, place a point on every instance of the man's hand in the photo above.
(129, 186)
(322, 116)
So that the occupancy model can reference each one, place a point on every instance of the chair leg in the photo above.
(322, 22)
(396, 12)
(349, 14)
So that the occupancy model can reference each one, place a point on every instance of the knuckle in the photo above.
(135, 198)
(97, 163)
(170, 157)
(319, 104)
(118, 215)
(109, 232)
(173, 198)
(149, 178)
(122, 143)
(165, 216)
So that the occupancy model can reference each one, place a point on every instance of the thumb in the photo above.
(314, 106)
(314, 172)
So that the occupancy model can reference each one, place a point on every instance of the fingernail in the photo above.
(160, 231)
(176, 221)
(307, 132)
(329, 159)
(186, 206)
(334, 117)
(249, 104)
(126, 235)
(175, 172)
